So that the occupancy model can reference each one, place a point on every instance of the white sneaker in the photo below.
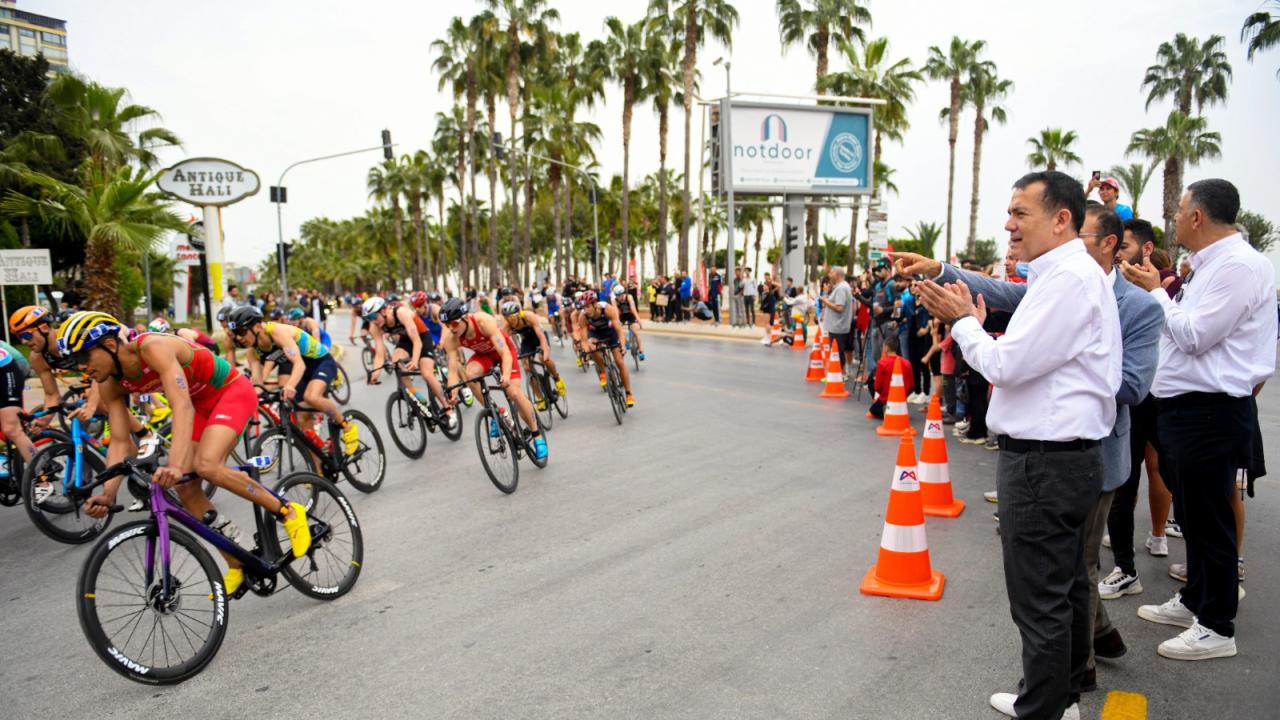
(1004, 703)
(962, 425)
(1106, 540)
(40, 492)
(1173, 612)
(1158, 546)
(1198, 643)
(1172, 529)
(991, 496)
(1118, 584)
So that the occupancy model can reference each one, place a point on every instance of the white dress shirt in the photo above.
(1056, 369)
(1220, 335)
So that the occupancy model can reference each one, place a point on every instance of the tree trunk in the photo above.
(513, 100)
(953, 131)
(853, 234)
(101, 280)
(441, 265)
(628, 99)
(661, 255)
(491, 112)
(755, 265)
(398, 226)
(26, 234)
(821, 41)
(528, 225)
(473, 206)
(555, 213)
(979, 129)
(690, 58)
(1172, 196)
(463, 265)
(415, 213)
(566, 234)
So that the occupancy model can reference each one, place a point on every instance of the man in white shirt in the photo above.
(1217, 349)
(750, 291)
(1056, 371)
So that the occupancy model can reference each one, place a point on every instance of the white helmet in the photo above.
(618, 290)
(371, 307)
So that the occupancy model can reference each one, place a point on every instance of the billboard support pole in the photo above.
(727, 163)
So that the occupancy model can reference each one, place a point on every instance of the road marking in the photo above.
(1125, 706)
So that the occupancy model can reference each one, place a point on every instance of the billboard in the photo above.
(774, 149)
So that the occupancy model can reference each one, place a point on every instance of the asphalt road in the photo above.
(701, 561)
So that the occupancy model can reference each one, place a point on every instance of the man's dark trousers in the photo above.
(1044, 501)
(1204, 440)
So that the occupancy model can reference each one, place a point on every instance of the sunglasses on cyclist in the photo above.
(26, 335)
(80, 357)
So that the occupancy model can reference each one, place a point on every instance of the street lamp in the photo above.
(726, 162)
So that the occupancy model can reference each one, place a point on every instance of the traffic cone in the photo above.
(775, 333)
(817, 361)
(902, 568)
(896, 421)
(797, 342)
(834, 387)
(935, 480)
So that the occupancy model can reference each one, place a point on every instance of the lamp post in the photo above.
(726, 163)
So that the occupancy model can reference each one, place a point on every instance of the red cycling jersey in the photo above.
(220, 394)
(485, 354)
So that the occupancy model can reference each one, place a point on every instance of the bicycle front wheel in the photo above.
(133, 626)
(285, 455)
(340, 388)
(408, 431)
(366, 359)
(366, 468)
(497, 454)
(332, 565)
(538, 390)
(58, 515)
(616, 400)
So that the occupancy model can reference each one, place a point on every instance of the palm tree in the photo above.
(1262, 31)
(952, 66)
(926, 234)
(1189, 71)
(450, 139)
(101, 118)
(817, 24)
(696, 19)
(386, 183)
(436, 176)
(414, 169)
(490, 79)
(1053, 146)
(984, 91)
(1133, 179)
(114, 212)
(1182, 140)
(627, 56)
(661, 81)
(456, 63)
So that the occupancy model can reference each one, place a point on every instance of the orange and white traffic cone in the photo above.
(797, 342)
(896, 421)
(817, 364)
(773, 335)
(902, 569)
(834, 387)
(935, 480)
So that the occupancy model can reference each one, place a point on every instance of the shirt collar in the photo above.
(1050, 260)
(1217, 248)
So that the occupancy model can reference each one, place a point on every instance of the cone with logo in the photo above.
(817, 364)
(797, 341)
(834, 387)
(902, 569)
(896, 421)
(775, 333)
(935, 479)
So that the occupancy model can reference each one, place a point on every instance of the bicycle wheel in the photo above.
(59, 516)
(366, 468)
(407, 429)
(366, 359)
(340, 388)
(136, 631)
(538, 380)
(497, 454)
(526, 441)
(617, 402)
(562, 404)
(631, 346)
(286, 455)
(70, 398)
(453, 432)
(332, 565)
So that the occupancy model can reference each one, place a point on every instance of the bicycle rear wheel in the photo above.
(59, 516)
(408, 431)
(366, 359)
(286, 454)
(133, 628)
(366, 468)
(537, 380)
(616, 401)
(332, 565)
(340, 388)
(497, 454)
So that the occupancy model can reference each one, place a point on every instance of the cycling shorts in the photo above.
(608, 336)
(11, 385)
(628, 318)
(232, 406)
(529, 346)
(403, 342)
(321, 368)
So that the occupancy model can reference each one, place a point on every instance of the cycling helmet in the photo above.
(26, 318)
(434, 296)
(296, 314)
(618, 291)
(222, 315)
(418, 299)
(159, 325)
(372, 307)
(581, 301)
(453, 309)
(276, 314)
(243, 318)
(510, 307)
(84, 329)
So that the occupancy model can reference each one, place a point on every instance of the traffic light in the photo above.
(386, 145)
(495, 143)
(792, 235)
(287, 248)
(279, 194)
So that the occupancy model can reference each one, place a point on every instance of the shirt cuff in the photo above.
(1162, 296)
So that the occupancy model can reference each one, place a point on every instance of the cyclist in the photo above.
(212, 403)
(553, 308)
(489, 346)
(528, 328)
(227, 343)
(427, 306)
(625, 302)
(161, 325)
(311, 326)
(309, 365)
(604, 331)
(414, 348)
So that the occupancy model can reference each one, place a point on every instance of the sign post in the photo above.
(210, 183)
(23, 267)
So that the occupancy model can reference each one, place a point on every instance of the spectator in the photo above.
(947, 368)
(837, 316)
(750, 291)
(686, 293)
(73, 296)
(769, 299)
(1169, 280)
(1217, 349)
(919, 343)
(738, 312)
(1109, 194)
(716, 286)
(883, 378)
(1050, 469)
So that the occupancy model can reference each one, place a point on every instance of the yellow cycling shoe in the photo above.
(631, 401)
(603, 382)
(542, 404)
(232, 581)
(350, 438)
(579, 361)
(299, 531)
(560, 388)
(159, 414)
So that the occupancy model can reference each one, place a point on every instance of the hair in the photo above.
(891, 343)
(1142, 231)
(1160, 259)
(1109, 222)
(1218, 199)
(1061, 192)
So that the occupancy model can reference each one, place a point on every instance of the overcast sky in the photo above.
(267, 83)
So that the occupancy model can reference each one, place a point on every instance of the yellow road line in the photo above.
(1125, 706)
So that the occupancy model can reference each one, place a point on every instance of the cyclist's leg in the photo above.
(11, 424)
(621, 362)
(399, 355)
(427, 366)
(635, 336)
(476, 368)
(527, 367)
(516, 395)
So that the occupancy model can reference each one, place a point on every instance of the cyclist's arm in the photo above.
(379, 353)
(121, 447)
(284, 340)
(452, 355)
(490, 328)
(411, 329)
(257, 368)
(616, 319)
(47, 381)
(163, 359)
(542, 340)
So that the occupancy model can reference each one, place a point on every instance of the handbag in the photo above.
(662, 300)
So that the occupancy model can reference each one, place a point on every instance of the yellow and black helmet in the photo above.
(84, 329)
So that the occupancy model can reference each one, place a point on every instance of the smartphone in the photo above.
(1097, 174)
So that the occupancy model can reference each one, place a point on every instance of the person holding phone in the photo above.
(1109, 193)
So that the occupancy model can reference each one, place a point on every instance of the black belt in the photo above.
(1025, 446)
(1196, 399)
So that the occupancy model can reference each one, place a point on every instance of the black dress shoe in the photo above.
(1109, 646)
(1090, 681)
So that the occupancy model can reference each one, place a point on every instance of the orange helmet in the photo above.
(25, 318)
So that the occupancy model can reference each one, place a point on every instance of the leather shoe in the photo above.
(1090, 681)
(1109, 646)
